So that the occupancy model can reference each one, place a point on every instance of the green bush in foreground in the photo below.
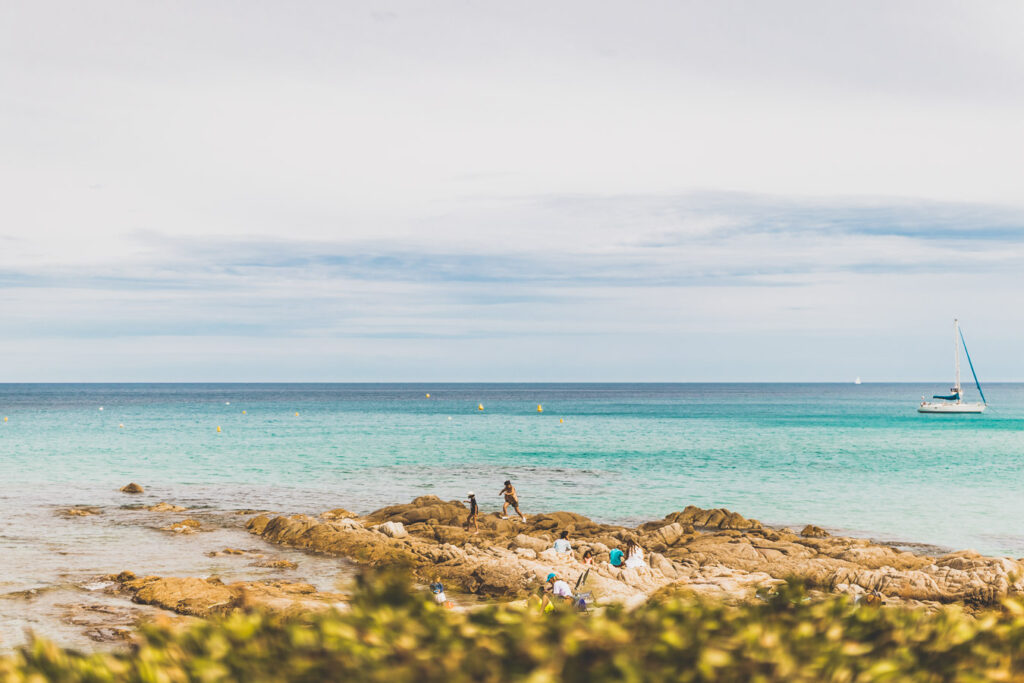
(394, 635)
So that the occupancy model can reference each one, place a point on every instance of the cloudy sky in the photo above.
(232, 191)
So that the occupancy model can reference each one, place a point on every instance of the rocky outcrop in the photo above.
(205, 597)
(132, 488)
(495, 562)
(715, 552)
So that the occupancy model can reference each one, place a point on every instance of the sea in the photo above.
(855, 459)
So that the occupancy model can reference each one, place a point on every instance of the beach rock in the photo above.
(731, 559)
(811, 531)
(206, 597)
(535, 544)
(81, 511)
(338, 513)
(670, 533)
(226, 551)
(185, 526)
(718, 518)
(422, 509)
(392, 529)
(276, 564)
(166, 507)
(132, 488)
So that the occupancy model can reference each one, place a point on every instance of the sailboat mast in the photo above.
(956, 356)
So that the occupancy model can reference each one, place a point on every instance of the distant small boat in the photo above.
(954, 403)
(857, 381)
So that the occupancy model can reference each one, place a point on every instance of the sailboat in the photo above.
(857, 381)
(954, 402)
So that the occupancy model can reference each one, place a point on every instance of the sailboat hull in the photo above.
(929, 407)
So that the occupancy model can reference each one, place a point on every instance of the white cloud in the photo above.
(642, 177)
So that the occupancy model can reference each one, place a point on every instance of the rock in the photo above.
(185, 526)
(392, 529)
(338, 513)
(732, 558)
(132, 488)
(811, 531)
(206, 597)
(166, 507)
(226, 551)
(670, 533)
(550, 556)
(276, 564)
(81, 511)
(535, 544)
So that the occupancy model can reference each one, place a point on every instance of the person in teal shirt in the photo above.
(615, 557)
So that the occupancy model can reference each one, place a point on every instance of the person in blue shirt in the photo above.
(562, 546)
(616, 557)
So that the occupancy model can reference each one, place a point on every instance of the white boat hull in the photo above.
(929, 407)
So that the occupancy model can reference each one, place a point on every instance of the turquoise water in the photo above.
(858, 459)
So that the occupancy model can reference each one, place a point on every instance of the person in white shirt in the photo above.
(634, 555)
(559, 589)
(563, 547)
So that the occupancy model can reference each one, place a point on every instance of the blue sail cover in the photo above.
(953, 397)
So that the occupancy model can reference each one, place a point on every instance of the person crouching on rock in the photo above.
(563, 547)
(511, 498)
(559, 589)
(474, 510)
(437, 588)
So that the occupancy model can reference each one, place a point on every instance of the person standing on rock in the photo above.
(474, 510)
(511, 498)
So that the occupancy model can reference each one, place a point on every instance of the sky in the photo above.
(530, 191)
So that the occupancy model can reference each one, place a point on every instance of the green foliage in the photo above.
(395, 635)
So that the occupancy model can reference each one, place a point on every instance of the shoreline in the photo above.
(224, 559)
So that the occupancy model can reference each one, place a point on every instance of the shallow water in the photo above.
(855, 459)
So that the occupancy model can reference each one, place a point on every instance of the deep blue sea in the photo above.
(856, 459)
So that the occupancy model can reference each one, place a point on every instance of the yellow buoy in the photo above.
(121, 426)
(480, 406)
(244, 413)
(296, 413)
(428, 395)
(560, 420)
(540, 408)
(218, 429)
